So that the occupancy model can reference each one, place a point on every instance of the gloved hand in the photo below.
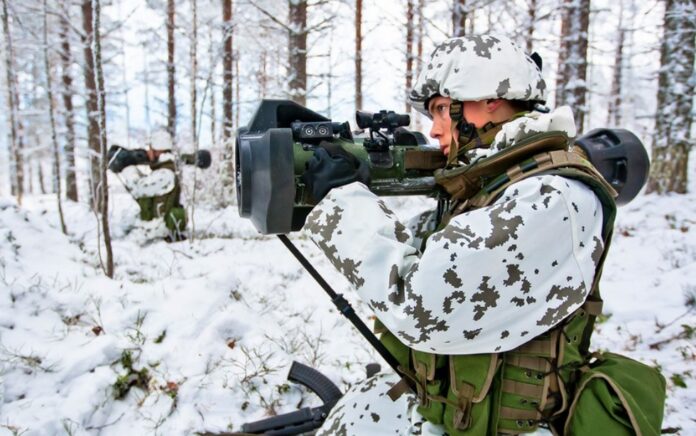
(331, 167)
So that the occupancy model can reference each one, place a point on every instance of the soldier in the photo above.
(489, 307)
(158, 192)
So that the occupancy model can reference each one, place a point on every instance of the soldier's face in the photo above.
(477, 113)
(151, 154)
(442, 123)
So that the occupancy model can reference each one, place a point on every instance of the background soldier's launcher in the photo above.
(271, 152)
(120, 158)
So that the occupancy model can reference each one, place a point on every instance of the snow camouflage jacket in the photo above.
(158, 193)
(492, 278)
(161, 181)
(497, 290)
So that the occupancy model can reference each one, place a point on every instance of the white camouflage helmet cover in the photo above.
(478, 67)
(160, 140)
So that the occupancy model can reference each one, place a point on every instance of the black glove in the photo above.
(331, 167)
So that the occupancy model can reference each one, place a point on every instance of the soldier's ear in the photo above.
(493, 105)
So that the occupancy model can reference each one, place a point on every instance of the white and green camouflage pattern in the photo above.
(491, 280)
(478, 67)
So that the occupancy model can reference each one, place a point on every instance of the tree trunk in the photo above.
(672, 141)
(227, 88)
(213, 101)
(124, 74)
(614, 110)
(52, 120)
(227, 66)
(42, 186)
(409, 51)
(531, 23)
(459, 15)
(358, 55)
(297, 50)
(16, 134)
(262, 74)
(420, 26)
(194, 97)
(67, 94)
(237, 99)
(571, 87)
(91, 103)
(171, 71)
(146, 82)
(101, 118)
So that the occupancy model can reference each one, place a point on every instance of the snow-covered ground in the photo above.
(206, 330)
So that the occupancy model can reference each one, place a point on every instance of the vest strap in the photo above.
(510, 413)
(593, 307)
(528, 362)
(396, 391)
(537, 347)
(524, 389)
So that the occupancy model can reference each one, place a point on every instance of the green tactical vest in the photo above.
(553, 380)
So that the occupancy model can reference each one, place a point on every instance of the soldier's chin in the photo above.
(445, 150)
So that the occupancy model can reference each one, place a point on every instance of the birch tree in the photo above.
(358, 55)
(297, 50)
(67, 93)
(227, 85)
(51, 117)
(103, 199)
(171, 71)
(531, 24)
(410, 25)
(672, 141)
(193, 97)
(614, 106)
(91, 101)
(571, 87)
(237, 80)
(213, 101)
(227, 73)
(16, 134)
(459, 18)
(420, 31)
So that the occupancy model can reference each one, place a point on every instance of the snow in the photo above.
(218, 321)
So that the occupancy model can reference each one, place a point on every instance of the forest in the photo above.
(105, 328)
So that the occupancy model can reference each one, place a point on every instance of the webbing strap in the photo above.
(593, 307)
(400, 388)
(527, 362)
(524, 389)
(510, 413)
(537, 348)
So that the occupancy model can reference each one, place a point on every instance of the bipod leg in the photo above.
(346, 309)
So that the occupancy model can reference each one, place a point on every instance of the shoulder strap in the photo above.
(544, 163)
(465, 181)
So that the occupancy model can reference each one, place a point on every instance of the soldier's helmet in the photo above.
(479, 67)
(160, 140)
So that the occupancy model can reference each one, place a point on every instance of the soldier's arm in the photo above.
(421, 226)
(159, 182)
(492, 279)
